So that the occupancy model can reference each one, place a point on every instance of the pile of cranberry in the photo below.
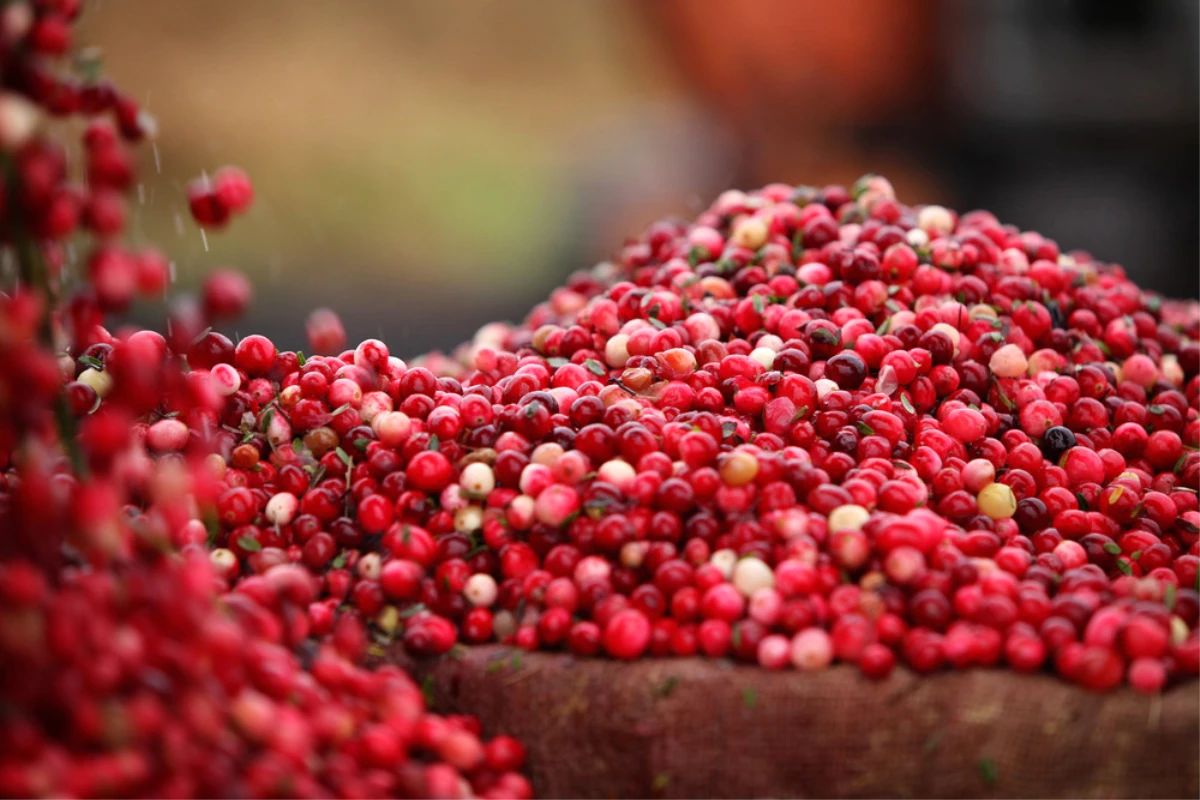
(811, 426)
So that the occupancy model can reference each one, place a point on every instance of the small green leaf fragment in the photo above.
(987, 770)
(594, 366)
(249, 543)
(750, 698)
(1112, 548)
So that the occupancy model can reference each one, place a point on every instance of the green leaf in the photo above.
(987, 770)
(267, 419)
(800, 412)
(1112, 548)
(728, 429)
(557, 362)
(750, 698)
(824, 336)
(297, 445)
(594, 367)
(1135, 555)
(759, 303)
(93, 362)
(340, 409)
(361, 443)
(344, 456)
(697, 254)
(658, 323)
(664, 689)
(864, 428)
(413, 610)
(434, 442)
(884, 327)
(427, 690)
(1083, 503)
(1125, 567)
(798, 244)
(908, 406)
(516, 661)
(249, 544)
(339, 560)
(1169, 596)
(300, 359)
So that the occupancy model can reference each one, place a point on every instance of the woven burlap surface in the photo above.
(697, 728)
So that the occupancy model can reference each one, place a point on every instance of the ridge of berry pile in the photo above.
(812, 425)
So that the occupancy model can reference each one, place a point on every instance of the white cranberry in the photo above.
(751, 574)
(480, 590)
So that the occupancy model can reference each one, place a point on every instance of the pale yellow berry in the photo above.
(750, 233)
(1008, 362)
(825, 386)
(480, 590)
(477, 479)
(917, 237)
(724, 560)
(616, 351)
(101, 382)
(620, 474)
(739, 468)
(18, 121)
(633, 554)
(1179, 630)
(468, 519)
(547, 454)
(764, 356)
(388, 619)
(750, 575)
(849, 517)
(935, 218)
(369, 566)
(281, 508)
(997, 501)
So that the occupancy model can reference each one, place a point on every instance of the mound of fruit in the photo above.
(810, 426)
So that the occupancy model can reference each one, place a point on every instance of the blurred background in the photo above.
(423, 168)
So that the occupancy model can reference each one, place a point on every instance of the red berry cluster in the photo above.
(149, 681)
(812, 425)
(130, 663)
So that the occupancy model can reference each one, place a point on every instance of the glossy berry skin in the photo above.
(1056, 441)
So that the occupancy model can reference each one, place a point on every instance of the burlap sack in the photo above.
(695, 728)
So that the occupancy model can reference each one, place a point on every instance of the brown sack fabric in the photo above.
(697, 728)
